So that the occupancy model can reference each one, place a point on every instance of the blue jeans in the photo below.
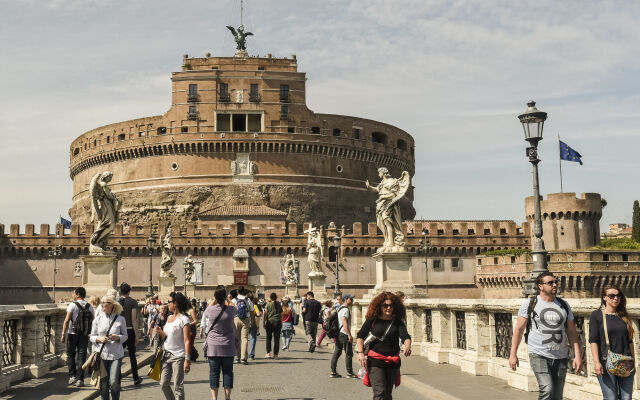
(287, 331)
(111, 383)
(550, 374)
(224, 363)
(253, 337)
(614, 387)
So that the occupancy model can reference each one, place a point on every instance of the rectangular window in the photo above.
(184, 129)
(162, 131)
(436, 264)
(356, 133)
(108, 139)
(224, 88)
(315, 129)
(440, 231)
(503, 231)
(336, 132)
(239, 122)
(291, 129)
(284, 92)
(471, 232)
(455, 263)
(255, 123)
(193, 89)
(479, 261)
(605, 257)
(284, 112)
(513, 259)
(487, 231)
(456, 231)
(223, 122)
(495, 260)
(254, 89)
(193, 110)
(141, 134)
(625, 257)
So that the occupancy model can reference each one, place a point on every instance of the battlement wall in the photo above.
(566, 206)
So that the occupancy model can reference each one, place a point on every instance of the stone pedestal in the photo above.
(189, 290)
(291, 290)
(100, 273)
(317, 284)
(394, 273)
(166, 285)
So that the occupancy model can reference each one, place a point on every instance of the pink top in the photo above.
(287, 317)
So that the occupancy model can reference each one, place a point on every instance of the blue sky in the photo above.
(453, 74)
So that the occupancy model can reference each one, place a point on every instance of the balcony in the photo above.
(193, 115)
(284, 116)
(192, 98)
(254, 98)
(224, 97)
(284, 98)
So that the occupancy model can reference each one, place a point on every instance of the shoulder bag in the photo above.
(617, 364)
(371, 338)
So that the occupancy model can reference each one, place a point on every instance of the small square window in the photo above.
(471, 232)
(356, 133)
(479, 261)
(487, 231)
(503, 231)
(625, 257)
(605, 257)
(455, 263)
(495, 260)
(336, 132)
(513, 259)
(456, 231)
(184, 129)
(440, 231)
(315, 129)
(291, 129)
(436, 264)
(162, 130)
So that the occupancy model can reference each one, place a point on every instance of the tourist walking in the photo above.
(254, 329)
(108, 333)
(382, 331)
(311, 315)
(546, 322)
(242, 320)
(130, 314)
(326, 313)
(345, 339)
(273, 324)
(159, 320)
(611, 332)
(287, 324)
(177, 341)
(220, 343)
(195, 317)
(77, 326)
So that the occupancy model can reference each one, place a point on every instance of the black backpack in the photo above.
(82, 324)
(531, 313)
(333, 324)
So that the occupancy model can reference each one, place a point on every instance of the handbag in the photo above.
(204, 346)
(94, 366)
(617, 364)
(372, 338)
(155, 371)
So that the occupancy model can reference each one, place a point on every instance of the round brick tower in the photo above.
(239, 133)
(568, 222)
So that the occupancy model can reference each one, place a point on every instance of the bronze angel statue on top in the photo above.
(388, 218)
(240, 37)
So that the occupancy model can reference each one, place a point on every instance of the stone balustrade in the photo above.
(475, 334)
(30, 345)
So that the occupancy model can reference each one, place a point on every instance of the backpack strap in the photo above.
(565, 306)
(215, 320)
(530, 316)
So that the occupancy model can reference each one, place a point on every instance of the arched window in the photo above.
(378, 137)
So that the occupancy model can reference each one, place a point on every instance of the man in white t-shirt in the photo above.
(344, 340)
(548, 322)
(77, 326)
(242, 321)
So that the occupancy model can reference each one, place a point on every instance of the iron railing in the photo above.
(504, 332)
(461, 331)
(47, 334)
(9, 342)
(224, 97)
(428, 331)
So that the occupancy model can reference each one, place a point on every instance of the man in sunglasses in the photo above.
(548, 322)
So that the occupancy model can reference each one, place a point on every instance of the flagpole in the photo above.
(560, 161)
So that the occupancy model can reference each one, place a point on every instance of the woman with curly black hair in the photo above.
(381, 333)
(177, 343)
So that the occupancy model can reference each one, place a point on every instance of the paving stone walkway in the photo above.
(297, 375)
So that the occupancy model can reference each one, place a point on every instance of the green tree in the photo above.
(635, 232)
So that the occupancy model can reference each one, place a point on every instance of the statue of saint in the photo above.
(167, 260)
(314, 251)
(104, 210)
(290, 269)
(240, 37)
(189, 269)
(388, 218)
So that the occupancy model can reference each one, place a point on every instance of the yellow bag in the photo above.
(156, 369)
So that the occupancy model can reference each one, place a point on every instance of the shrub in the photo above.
(504, 252)
(619, 243)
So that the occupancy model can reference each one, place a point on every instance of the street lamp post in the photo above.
(55, 253)
(425, 247)
(336, 244)
(533, 124)
(151, 243)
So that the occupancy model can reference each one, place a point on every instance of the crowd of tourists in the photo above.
(98, 330)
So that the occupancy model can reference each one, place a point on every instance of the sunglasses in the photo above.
(387, 305)
(550, 283)
(171, 301)
(613, 296)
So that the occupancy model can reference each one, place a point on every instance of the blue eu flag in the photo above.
(66, 224)
(569, 154)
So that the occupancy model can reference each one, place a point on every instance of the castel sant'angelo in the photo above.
(240, 168)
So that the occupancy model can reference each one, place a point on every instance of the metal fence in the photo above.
(504, 332)
(461, 331)
(47, 334)
(9, 342)
(428, 330)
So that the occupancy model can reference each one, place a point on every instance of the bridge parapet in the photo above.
(475, 334)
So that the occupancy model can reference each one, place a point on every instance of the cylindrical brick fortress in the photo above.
(239, 133)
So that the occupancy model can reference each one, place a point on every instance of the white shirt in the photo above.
(174, 343)
(344, 313)
(112, 350)
(74, 310)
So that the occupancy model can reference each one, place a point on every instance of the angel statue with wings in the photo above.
(104, 209)
(388, 218)
(314, 251)
(240, 37)
(167, 260)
